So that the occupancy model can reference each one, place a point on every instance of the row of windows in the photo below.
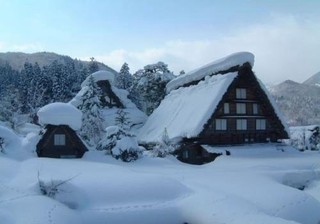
(221, 124)
(241, 108)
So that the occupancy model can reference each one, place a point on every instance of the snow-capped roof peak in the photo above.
(214, 67)
(99, 76)
(60, 114)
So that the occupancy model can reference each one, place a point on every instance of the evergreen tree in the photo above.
(93, 65)
(122, 120)
(91, 130)
(149, 85)
(124, 79)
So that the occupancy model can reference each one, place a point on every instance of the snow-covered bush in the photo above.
(165, 147)
(305, 137)
(1, 144)
(122, 119)
(51, 188)
(7, 138)
(126, 149)
(120, 144)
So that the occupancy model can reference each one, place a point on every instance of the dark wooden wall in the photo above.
(73, 147)
(254, 95)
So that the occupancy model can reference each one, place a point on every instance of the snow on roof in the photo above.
(60, 114)
(222, 64)
(185, 111)
(99, 76)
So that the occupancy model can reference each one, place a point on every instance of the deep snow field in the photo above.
(256, 184)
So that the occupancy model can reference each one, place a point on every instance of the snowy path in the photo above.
(249, 188)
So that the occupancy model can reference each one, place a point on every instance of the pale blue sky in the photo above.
(184, 34)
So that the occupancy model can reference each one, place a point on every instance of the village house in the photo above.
(59, 139)
(222, 103)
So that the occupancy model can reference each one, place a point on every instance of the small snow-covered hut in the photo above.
(220, 103)
(60, 140)
(113, 100)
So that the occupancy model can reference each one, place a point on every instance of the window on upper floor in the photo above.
(226, 108)
(255, 108)
(221, 124)
(241, 93)
(241, 108)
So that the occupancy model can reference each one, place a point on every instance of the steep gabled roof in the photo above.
(194, 97)
(223, 64)
(185, 111)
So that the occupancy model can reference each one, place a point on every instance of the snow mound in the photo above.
(60, 114)
(197, 102)
(8, 135)
(99, 76)
(212, 68)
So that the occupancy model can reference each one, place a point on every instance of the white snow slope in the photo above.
(185, 111)
(257, 184)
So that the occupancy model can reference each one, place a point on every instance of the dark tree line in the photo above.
(25, 91)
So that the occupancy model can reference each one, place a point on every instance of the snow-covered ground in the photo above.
(256, 184)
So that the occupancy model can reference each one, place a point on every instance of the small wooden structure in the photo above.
(60, 141)
(195, 154)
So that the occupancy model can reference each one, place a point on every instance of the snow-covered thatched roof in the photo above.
(99, 76)
(236, 59)
(184, 112)
(60, 114)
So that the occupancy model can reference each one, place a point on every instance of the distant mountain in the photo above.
(313, 80)
(299, 102)
(17, 59)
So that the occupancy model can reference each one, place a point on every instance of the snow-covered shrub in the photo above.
(120, 144)
(122, 119)
(126, 149)
(305, 137)
(1, 144)
(7, 137)
(51, 188)
(165, 147)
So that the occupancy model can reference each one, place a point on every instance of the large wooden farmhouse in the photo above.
(222, 103)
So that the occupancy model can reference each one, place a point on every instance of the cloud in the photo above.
(286, 47)
(28, 47)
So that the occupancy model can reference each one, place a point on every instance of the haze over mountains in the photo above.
(299, 102)
(17, 59)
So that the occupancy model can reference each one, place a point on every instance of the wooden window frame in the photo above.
(241, 108)
(255, 108)
(221, 124)
(241, 124)
(59, 139)
(241, 93)
(261, 124)
(226, 108)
